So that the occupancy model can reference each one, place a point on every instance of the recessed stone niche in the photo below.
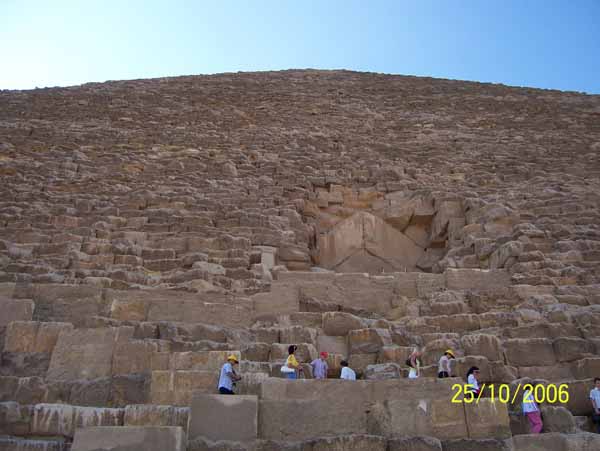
(374, 232)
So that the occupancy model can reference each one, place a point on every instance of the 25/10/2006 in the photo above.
(504, 393)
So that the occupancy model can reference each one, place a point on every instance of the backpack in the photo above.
(408, 362)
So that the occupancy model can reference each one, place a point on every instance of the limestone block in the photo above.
(414, 444)
(225, 417)
(558, 419)
(200, 312)
(14, 419)
(485, 345)
(332, 344)
(15, 310)
(395, 354)
(134, 356)
(201, 360)
(359, 362)
(20, 336)
(258, 352)
(428, 284)
(130, 438)
(529, 352)
(129, 309)
(128, 389)
(476, 279)
(69, 303)
(505, 252)
(340, 323)
(554, 441)
(557, 372)
(568, 349)
(153, 415)
(267, 335)
(282, 299)
(368, 341)
(485, 444)
(383, 371)
(298, 334)
(406, 284)
(83, 354)
(47, 335)
(423, 417)
(579, 396)
(501, 373)
(456, 323)
(586, 368)
(487, 419)
(63, 420)
(305, 419)
(20, 444)
(24, 390)
(177, 387)
(445, 210)
(354, 442)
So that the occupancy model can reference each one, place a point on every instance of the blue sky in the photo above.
(547, 44)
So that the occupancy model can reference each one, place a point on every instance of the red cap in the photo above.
(324, 354)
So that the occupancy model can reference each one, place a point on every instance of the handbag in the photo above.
(286, 369)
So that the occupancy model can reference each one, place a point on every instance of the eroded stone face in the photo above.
(150, 228)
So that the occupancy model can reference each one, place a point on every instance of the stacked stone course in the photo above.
(150, 228)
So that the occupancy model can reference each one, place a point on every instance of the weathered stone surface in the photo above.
(555, 441)
(368, 341)
(130, 438)
(152, 415)
(224, 417)
(15, 310)
(558, 419)
(83, 354)
(530, 352)
(477, 445)
(175, 235)
(340, 324)
(487, 419)
(414, 444)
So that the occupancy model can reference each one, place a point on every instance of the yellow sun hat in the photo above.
(233, 357)
(449, 351)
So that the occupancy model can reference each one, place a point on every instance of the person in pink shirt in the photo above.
(320, 367)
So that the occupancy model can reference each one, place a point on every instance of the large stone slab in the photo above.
(83, 354)
(476, 279)
(33, 336)
(178, 387)
(554, 441)
(15, 310)
(487, 419)
(225, 417)
(130, 438)
(68, 303)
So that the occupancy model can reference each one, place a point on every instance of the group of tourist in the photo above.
(292, 370)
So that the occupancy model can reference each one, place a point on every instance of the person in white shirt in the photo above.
(347, 372)
(473, 380)
(595, 398)
(445, 364)
(414, 362)
(228, 376)
(532, 411)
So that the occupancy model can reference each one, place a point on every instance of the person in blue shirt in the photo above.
(228, 376)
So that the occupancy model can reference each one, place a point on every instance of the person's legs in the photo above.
(443, 374)
(535, 422)
(596, 421)
(225, 391)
